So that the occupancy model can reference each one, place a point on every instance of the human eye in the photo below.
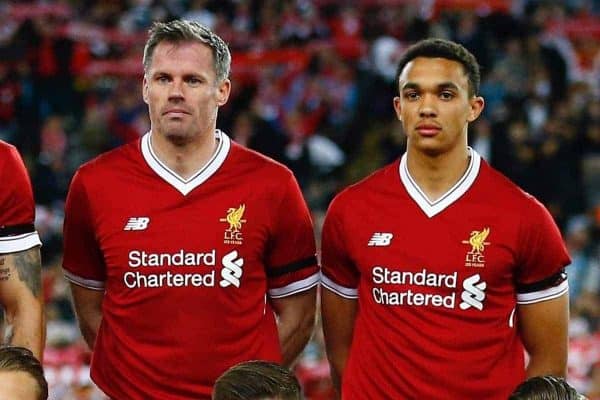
(411, 95)
(194, 81)
(162, 79)
(446, 95)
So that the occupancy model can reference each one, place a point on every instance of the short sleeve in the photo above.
(542, 257)
(82, 263)
(17, 208)
(339, 273)
(291, 263)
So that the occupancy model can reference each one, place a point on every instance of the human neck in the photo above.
(435, 175)
(186, 158)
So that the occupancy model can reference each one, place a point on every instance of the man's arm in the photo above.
(88, 308)
(21, 297)
(295, 322)
(544, 332)
(339, 314)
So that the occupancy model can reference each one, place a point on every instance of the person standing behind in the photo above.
(20, 263)
(257, 380)
(437, 269)
(186, 252)
(545, 387)
(21, 375)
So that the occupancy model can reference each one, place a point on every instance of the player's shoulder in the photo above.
(6, 148)
(379, 180)
(111, 161)
(9, 153)
(256, 163)
(506, 191)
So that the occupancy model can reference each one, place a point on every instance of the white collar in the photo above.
(187, 185)
(432, 208)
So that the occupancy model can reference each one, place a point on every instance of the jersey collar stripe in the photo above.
(86, 283)
(295, 287)
(460, 188)
(348, 293)
(13, 244)
(174, 174)
(543, 295)
(186, 185)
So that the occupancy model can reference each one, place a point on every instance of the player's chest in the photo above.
(158, 228)
(398, 241)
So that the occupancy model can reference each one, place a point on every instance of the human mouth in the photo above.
(175, 112)
(428, 129)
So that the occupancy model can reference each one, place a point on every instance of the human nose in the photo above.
(176, 90)
(427, 108)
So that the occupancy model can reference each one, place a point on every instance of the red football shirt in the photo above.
(438, 282)
(187, 266)
(17, 209)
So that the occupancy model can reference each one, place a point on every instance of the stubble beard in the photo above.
(177, 133)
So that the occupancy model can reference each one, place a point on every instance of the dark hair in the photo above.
(253, 380)
(188, 31)
(20, 359)
(441, 48)
(545, 388)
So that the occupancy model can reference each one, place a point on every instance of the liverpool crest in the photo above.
(477, 241)
(233, 234)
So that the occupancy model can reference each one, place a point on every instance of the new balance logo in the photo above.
(473, 294)
(381, 239)
(232, 269)
(136, 224)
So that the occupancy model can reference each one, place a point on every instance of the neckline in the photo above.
(432, 208)
(184, 186)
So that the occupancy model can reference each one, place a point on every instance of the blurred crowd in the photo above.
(313, 88)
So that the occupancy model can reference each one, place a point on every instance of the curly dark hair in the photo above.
(441, 48)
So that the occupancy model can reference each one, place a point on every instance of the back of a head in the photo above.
(545, 388)
(21, 360)
(257, 380)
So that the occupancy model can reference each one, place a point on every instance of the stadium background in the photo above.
(312, 87)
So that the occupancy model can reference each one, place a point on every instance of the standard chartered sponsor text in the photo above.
(383, 275)
(142, 259)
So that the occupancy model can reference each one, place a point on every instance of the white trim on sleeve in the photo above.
(13, 244)
(295, 287)
(348, 293)
(86, 283)
(543, 295)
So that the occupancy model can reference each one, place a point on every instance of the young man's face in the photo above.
(182, 92)
(17, 385)
(434, 104)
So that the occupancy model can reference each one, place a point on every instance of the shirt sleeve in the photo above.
(83, 263)
(339, 273)
(542, 257)
(291, 263)
(17, 208)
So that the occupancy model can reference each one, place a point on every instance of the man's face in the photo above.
(181, 91)
(17, 385)
(434, 104)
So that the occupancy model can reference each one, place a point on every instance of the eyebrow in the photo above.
(441, 86)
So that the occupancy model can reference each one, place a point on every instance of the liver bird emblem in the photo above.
(234, 218)
(477, 240)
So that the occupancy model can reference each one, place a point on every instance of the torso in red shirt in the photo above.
(187, 266)
(438, 282)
